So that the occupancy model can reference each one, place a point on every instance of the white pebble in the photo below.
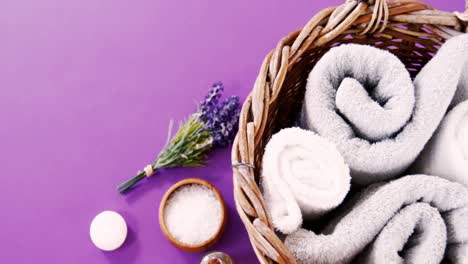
(193, 214)
(108, 230)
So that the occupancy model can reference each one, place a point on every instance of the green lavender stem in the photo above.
(126, 186)
(187, 148)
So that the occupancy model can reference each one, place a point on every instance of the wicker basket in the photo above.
(411, 30)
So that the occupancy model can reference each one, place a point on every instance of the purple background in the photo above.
(87, 89)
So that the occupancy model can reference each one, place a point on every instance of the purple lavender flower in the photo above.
(223, 126)
(220, 119)
(210, 103)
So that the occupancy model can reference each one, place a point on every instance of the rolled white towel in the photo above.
(416, 219)
(303, 176)
(363, 100)
(462, 90)
(446, 154)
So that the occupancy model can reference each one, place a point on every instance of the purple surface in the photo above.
(87, 90)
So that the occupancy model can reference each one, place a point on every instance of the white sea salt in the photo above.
(193, 214)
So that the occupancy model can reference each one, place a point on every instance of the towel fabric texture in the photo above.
(446, 154)
(303, 177)
(362, 99)
(415, 219)
(462, 91)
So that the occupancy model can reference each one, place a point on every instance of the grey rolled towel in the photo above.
(414, 219)
(446, 154)
(363, 100)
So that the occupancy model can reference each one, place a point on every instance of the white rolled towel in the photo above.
(446, 154)
(303, 177)
(363, 100)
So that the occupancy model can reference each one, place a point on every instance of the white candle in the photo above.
(108, 230)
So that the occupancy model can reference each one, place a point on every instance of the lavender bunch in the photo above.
(214, 124)
(220, 119)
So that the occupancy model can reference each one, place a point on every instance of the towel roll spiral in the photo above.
(304, 176)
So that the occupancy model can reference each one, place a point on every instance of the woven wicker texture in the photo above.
(411, 30)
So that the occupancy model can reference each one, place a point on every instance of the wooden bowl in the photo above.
(183, 246)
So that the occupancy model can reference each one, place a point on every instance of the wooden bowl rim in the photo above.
(183, 246)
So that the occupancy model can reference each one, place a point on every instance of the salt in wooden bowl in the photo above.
(162, 210)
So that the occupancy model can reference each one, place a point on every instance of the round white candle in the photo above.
(108, 230)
